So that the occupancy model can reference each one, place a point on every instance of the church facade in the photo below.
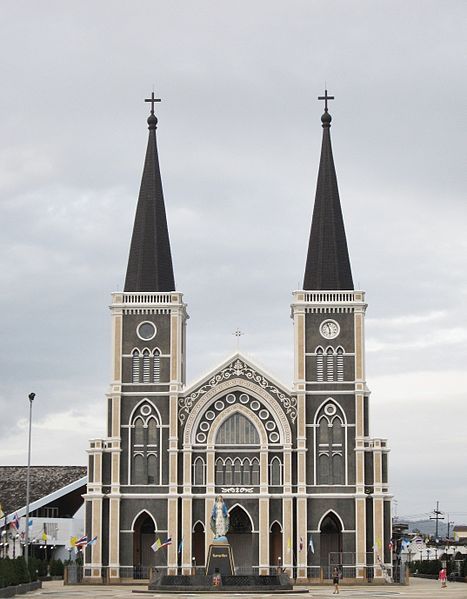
(305, 485)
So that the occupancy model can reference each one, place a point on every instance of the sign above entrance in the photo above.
(237, 489)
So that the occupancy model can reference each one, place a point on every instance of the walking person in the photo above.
(335, 580)
(442, 577)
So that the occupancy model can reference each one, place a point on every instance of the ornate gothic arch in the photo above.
(237, 384)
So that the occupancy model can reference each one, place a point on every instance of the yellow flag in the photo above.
(157, 545)
(73, 541)
(44, 536)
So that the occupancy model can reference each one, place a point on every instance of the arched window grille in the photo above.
(275, 472)
(145, 437)
(319, 364)
(135, 366)
(330, 364)
(146, 366)
(157, 366)
(340, 364)
(198, 472)
(237, 430)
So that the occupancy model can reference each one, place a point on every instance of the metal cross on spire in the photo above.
(153, 100)
(238, 333)
(325, 98)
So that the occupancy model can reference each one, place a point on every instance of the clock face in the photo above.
(329, 329)
(146, 331)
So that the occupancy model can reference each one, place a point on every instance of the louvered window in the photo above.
(340, 364)
(319, 364)
(157, 366)
(330, 364)
(146, 366)
(135, 366)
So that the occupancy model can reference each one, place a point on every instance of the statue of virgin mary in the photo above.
(219, 519)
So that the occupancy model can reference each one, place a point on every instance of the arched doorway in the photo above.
(198, 544)
(330, 543)
(143, 537)
(275, 545)
(241, 540)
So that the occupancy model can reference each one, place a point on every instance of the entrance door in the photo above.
(198, 544)
(143, 537)
(240, 537)
(275, 545)
(330, 544)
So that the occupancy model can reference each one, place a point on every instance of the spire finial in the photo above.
(326, 118)
(152, 119)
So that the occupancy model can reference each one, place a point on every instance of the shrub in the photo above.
(56, 567)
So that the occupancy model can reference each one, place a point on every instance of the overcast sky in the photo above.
(239, 138)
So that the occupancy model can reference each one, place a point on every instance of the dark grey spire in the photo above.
(327, 264)
(150, 261)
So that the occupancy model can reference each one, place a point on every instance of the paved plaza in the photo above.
(426, 589)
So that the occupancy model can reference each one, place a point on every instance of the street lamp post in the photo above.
(31, 397)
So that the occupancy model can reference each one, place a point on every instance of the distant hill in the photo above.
(428, 527)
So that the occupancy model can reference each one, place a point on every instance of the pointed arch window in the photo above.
(199, 472)
(219, 472)
(135, 358)
(228, 478)
(145, 438)
(255, 471)
(157, 366)
(275, 472)
(330, 446)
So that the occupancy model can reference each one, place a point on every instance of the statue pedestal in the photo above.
(220, 558)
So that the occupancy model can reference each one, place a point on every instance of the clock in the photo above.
(146, 331)
(329, 329)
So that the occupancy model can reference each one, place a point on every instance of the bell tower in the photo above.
(132, 473)
(343, 503)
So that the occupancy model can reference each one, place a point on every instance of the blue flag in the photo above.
(180, 547)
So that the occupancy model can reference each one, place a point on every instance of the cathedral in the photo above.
(305, 485)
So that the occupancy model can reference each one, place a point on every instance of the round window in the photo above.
(146, 331)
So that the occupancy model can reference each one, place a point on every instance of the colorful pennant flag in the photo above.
(15, 521)
(92, 541)
(157, 545)
(166, 543)
(82, 541)
(180, 546)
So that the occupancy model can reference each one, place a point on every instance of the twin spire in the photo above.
(150, 260)
(328, 264)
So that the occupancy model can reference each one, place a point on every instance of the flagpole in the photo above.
(31, 397)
